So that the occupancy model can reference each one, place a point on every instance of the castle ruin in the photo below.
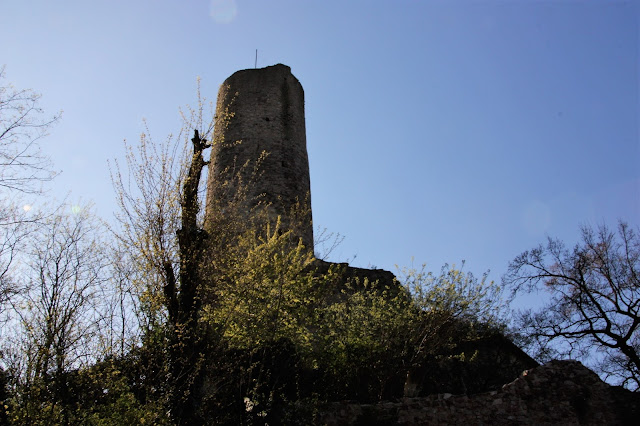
(264, 146)
(267, 107)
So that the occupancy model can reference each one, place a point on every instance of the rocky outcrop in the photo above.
(560, 392)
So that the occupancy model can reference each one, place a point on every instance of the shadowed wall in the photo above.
(268, 116)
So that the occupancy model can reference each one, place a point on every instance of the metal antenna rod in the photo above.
(255, 65)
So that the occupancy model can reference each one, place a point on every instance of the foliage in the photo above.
(378, 332)
(361, 336)
(99, 395)
(260, 294)
(593, 312)
(268, 293)
(461, 295)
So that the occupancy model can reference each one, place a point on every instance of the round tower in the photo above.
(264, 147)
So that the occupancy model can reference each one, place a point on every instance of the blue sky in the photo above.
(438, 130)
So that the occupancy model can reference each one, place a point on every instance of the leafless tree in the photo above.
(59, 307)
(23, 166)
(12, 237)
(23, 170)
(593, 312)
(148, 195)
(121, 331)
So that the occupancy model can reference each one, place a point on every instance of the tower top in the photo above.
(272, 68)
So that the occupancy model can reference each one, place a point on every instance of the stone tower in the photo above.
(268, 116)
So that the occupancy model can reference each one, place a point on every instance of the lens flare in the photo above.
(223, 11)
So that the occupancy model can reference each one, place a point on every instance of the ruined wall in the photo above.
(268, 108)
(558, 393)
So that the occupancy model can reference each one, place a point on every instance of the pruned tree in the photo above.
(593, 309)
(161, 231)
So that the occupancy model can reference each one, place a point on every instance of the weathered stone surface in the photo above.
(558, 393)
(268, 108)
(355, 275)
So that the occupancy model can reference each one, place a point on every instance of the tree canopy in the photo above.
(593, 309)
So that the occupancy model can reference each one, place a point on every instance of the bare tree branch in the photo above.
(23, 166)
(594, 306)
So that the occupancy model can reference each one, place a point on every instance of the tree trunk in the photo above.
(184, 304)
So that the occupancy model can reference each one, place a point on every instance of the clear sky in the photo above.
(439, 130)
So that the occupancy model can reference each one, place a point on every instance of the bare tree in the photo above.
(148, 195)
(58, 308)
(593, 312)
(23, 166)
(12, 236)
(122, 320)
(23, 170)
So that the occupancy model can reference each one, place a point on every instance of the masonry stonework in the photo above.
(268, 118)
(558, 393)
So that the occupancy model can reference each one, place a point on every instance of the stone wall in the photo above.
(268, 116)
(558, 393)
